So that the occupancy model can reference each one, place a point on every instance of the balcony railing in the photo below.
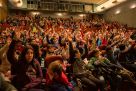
(54, 6)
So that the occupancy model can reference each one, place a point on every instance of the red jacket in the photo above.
(62, 79)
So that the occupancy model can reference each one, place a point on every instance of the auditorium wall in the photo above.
(3, 10)
(49, 13)
(65, 15)
(124, 13)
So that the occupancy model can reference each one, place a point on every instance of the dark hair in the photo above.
(90, 41)
(109, 42)
(58, 69)
(63, 44)
(108, 49)
(92, 54)
(75, 52)
(122, 47)
(102, 47)
(12, 35)
(23, 60)
(22, 57)
(36, 50)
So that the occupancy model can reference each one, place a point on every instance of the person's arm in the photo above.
(6, 86)
(10, 52)
(71, 54)
(115, 43)
(47, 38)
(5, 48)
(109, 64)
(60, 40)
(77, 72)
(86, 52)
(3, 51)
(77, 45)
(128, 48)
(81, 74)
(39, 28)
(114, 65)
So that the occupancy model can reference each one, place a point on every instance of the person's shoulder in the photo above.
(36, 61)
(93, 58)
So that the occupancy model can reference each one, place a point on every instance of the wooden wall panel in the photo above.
(3, 9)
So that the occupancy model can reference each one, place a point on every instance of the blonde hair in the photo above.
(52, 66)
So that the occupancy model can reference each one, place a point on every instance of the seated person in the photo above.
(29, 74)
(113, 71)
(56, 78)
(86, 76)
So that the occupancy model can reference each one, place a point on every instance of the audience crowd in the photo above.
(58, 54)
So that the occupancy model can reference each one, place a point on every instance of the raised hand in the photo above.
(9, 40)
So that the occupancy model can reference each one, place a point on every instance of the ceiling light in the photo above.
(117, 12)
(59, 14)
(81, 15)
(16, 3)
(108, 4)
(0, 4)
(115, 1)
(133, 6)
(102, 7)
(35, 13)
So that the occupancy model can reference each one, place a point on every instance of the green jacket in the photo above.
(92, 61)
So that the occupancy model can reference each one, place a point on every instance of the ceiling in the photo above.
(89, 1)
(101, 5)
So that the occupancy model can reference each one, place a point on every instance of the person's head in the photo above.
(77, 53)
(57, 70)
(51, 48)
(109, 50)
(122, 47)
(28, 53)
(95, 53)
(90, 41)
(16, 55)
(36, 49)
